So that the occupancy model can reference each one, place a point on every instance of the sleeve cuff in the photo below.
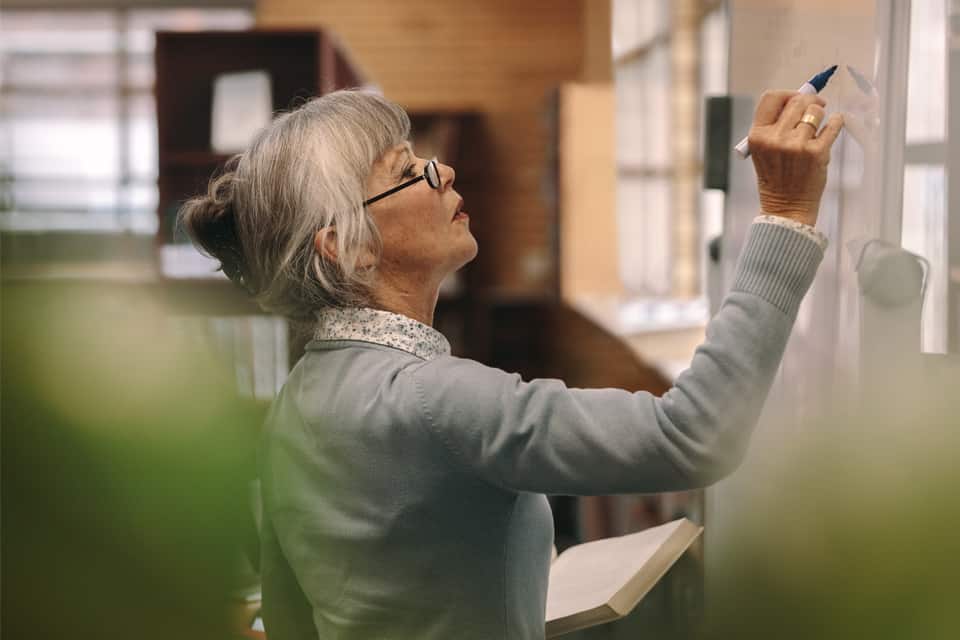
(799, 227)
(778, 263)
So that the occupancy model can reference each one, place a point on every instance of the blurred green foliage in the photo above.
(855, 535)
(126, 457)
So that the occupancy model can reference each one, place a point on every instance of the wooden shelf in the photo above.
(301, 64)
(193, 158)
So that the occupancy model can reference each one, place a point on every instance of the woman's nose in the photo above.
(447, 175)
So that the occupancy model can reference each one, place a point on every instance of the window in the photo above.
(78, 146)
(78, 129)
(667, 56)
(924, 228)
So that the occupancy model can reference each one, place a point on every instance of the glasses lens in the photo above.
(433, 174)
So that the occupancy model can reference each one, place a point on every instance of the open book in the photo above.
(603, 580)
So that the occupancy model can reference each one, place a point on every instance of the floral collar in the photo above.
(381, 327)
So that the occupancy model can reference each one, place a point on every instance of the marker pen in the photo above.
(814, 85)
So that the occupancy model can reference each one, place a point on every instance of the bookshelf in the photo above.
(300, 63)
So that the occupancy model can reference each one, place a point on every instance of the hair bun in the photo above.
(210, 222)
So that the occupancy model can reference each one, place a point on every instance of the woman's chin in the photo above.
(466, 253)
(474, 249)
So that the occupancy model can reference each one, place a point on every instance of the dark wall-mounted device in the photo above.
(718, 148)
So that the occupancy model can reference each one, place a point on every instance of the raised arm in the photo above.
(542, 436)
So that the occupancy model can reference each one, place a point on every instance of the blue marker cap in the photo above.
(819, 81)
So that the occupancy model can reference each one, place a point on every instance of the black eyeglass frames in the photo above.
(431, 173)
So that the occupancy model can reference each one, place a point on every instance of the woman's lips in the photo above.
(458, 213)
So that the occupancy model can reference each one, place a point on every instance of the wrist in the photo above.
(798, 212)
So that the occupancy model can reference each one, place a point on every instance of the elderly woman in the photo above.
(403, 487)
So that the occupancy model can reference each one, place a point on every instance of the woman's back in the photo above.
(386, 534)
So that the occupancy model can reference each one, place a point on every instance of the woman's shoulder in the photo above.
(449, 369)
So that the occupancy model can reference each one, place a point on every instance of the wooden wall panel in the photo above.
(589, 260)
(499, 57)
(598, 27)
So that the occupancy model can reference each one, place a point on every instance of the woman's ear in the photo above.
(325, 242)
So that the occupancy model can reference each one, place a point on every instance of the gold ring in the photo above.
(810, 119)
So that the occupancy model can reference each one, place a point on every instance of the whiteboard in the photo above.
(831, 356)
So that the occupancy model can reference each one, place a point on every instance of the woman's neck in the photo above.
(414, 300)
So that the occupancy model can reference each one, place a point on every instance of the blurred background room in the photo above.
(591, 140)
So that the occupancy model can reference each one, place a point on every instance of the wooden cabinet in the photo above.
(301, 64)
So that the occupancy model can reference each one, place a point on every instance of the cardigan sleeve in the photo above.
(542, 436)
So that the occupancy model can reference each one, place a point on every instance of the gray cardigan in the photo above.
(403, 487)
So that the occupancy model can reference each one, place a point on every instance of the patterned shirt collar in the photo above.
(381, 327)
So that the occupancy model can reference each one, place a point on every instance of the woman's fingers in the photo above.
(791, 157)
(770, 105)
(805, 131)
(828, 135)
(795, 109)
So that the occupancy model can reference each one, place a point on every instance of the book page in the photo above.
(589, 575)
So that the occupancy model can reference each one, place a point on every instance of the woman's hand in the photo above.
(791, 157)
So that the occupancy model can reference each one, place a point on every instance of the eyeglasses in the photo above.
(431, 173)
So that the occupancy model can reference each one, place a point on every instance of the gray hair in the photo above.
(305, 171)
